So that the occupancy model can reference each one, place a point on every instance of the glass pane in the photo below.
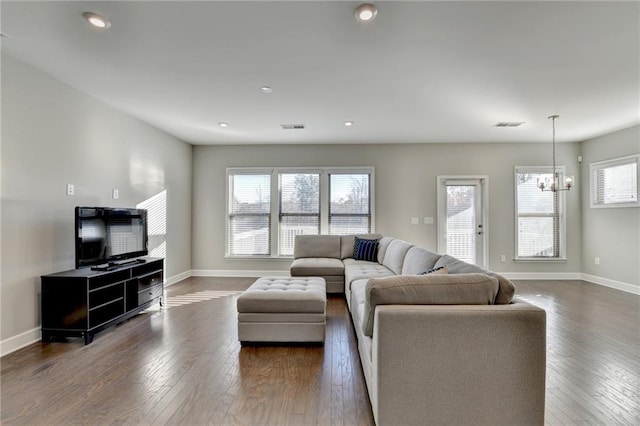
(530, 198)
(251, 193)
(249, 235)
(461, 222)
(299, 193)
(349, 193)
(290, 226)
(536, 237)
(344, 225)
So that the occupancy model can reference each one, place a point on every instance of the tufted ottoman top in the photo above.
(284, 295)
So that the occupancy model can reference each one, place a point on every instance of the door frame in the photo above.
(441, 212)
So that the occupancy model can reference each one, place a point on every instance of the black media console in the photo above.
(82, 302)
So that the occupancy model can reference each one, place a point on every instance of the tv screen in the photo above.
(105, 234)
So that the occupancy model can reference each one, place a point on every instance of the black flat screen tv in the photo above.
(107, 235)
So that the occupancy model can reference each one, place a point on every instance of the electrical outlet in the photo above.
(71, 189)
(596, 260)
(503, 258)
(115, 194)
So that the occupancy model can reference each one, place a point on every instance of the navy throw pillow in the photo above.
(364, 249)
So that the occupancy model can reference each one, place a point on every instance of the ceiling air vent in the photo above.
(509, 124)
(292, 126)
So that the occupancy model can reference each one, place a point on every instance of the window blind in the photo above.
(615, 182)
(461, 222)
(538, 216)
(249, 214)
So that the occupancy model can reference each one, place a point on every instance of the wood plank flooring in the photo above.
(182, 364)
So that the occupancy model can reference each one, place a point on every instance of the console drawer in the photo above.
(149, 293)
(150, 280)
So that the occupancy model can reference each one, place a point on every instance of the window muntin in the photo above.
(298, 203)
(350, 203)
(614, 183)
(249, 221)
(539, 215)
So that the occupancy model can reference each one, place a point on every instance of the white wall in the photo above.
(405, 187)
(612, 234)
(53, 135)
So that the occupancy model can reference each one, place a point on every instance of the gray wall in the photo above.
(612, 234)
(405, 187)
(53, 135)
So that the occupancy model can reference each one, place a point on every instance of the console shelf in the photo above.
(82, 302)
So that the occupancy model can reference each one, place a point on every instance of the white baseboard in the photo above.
(19, 341)
(542, 275)
(618, 285)
(177, 278)
(237, 273)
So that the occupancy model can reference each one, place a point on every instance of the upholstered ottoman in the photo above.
(283, 309)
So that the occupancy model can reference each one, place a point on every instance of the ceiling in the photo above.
(421, 72)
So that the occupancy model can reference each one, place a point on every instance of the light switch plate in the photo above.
(71, 189)
(414, 221)
(428, 220)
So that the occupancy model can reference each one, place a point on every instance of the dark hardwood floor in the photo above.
(182, 364)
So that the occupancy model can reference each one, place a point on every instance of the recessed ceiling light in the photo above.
(223, 124)
(366, 12)
(97, 20)
(266, 89)
(348, 123)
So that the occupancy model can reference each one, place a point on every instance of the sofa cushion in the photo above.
(438, 270)
(365, 250)
(432, 289)
(359, 269)
(316, 246)
(506, 290)
(347, 243)
(382, 247)
(418, 260)
(316, 266)
(394, 256)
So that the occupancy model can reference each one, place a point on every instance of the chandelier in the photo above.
(552, 184)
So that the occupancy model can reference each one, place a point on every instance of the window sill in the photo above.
(258, 257)
(540, 259)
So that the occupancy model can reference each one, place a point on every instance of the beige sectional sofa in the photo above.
(452, 348)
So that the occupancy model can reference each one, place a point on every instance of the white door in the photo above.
(462, 218)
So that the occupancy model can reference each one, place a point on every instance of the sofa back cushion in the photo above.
(418, 260)
(347, 243)
(394, 255)
(382, 247)
(316, 246)
(506, 288)
(431, 289)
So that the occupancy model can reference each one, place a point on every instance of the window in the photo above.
(350, 204)
(249, 222)
(267, 209)
(614, 183)
(540, 219)
(299, 208)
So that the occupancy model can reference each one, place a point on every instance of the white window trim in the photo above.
(563, 215)
(619, 161)
(324, 201)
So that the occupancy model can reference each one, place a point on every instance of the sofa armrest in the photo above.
(463, 364)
